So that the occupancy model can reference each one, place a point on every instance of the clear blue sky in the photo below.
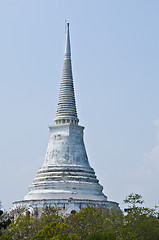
(115, 58)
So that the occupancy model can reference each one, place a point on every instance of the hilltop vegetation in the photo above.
(135, 223)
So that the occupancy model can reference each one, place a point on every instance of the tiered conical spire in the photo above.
(65, 176)
(66, 109)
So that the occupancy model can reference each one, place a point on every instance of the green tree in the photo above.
(101, 236)
(91, 220)
(24, 226)
(50, 214)
(4, 220)
(65, 236)
(140, 223)
(55, 231)
(133, 199)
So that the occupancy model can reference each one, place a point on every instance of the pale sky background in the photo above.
(115, 58)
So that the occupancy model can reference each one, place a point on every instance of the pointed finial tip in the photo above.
(67, 24)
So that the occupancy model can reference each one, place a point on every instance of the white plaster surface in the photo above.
(66, 172)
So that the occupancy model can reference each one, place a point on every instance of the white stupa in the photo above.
(66, 179)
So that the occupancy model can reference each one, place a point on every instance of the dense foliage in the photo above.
(136, 223)
(4, 221)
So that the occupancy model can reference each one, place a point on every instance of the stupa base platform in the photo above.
(65, 206)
